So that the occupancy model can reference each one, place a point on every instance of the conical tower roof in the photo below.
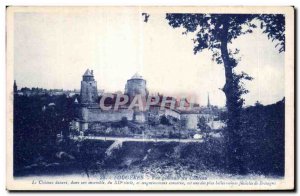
(136, 76)
(88, 73)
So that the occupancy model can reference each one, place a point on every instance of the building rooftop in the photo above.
(136, 76)
(88, 73)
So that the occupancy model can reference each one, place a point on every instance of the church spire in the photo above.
(208, 102)
(15, 87)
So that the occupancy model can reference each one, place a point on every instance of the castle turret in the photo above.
(88, 91)
(136, 86)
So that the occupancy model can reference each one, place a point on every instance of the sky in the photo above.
(53, 50)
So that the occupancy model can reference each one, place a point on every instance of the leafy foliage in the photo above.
(202, 124)
(35, 129)
(263, 138)
(214, 32)
(274, 26)
(212, 29)
(164, 120)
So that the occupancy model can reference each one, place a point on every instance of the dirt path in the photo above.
(130, 139)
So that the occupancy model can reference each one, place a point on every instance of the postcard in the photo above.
(144, 98)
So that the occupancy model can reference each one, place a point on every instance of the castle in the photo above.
(91, 115)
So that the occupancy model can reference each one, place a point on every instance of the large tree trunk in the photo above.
(232, 133)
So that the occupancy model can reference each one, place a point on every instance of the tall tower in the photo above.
(208, 102)
(88, 91)
(15, 87)
(136, 86)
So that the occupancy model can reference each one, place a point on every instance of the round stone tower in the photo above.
(136, 86)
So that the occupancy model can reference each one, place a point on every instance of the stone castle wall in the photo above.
(98, 115)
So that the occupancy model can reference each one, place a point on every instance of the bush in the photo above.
(164, 120)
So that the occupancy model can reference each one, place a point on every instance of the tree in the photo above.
(164, 120)
(124, 122)
(202, 124)
(215, 32)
